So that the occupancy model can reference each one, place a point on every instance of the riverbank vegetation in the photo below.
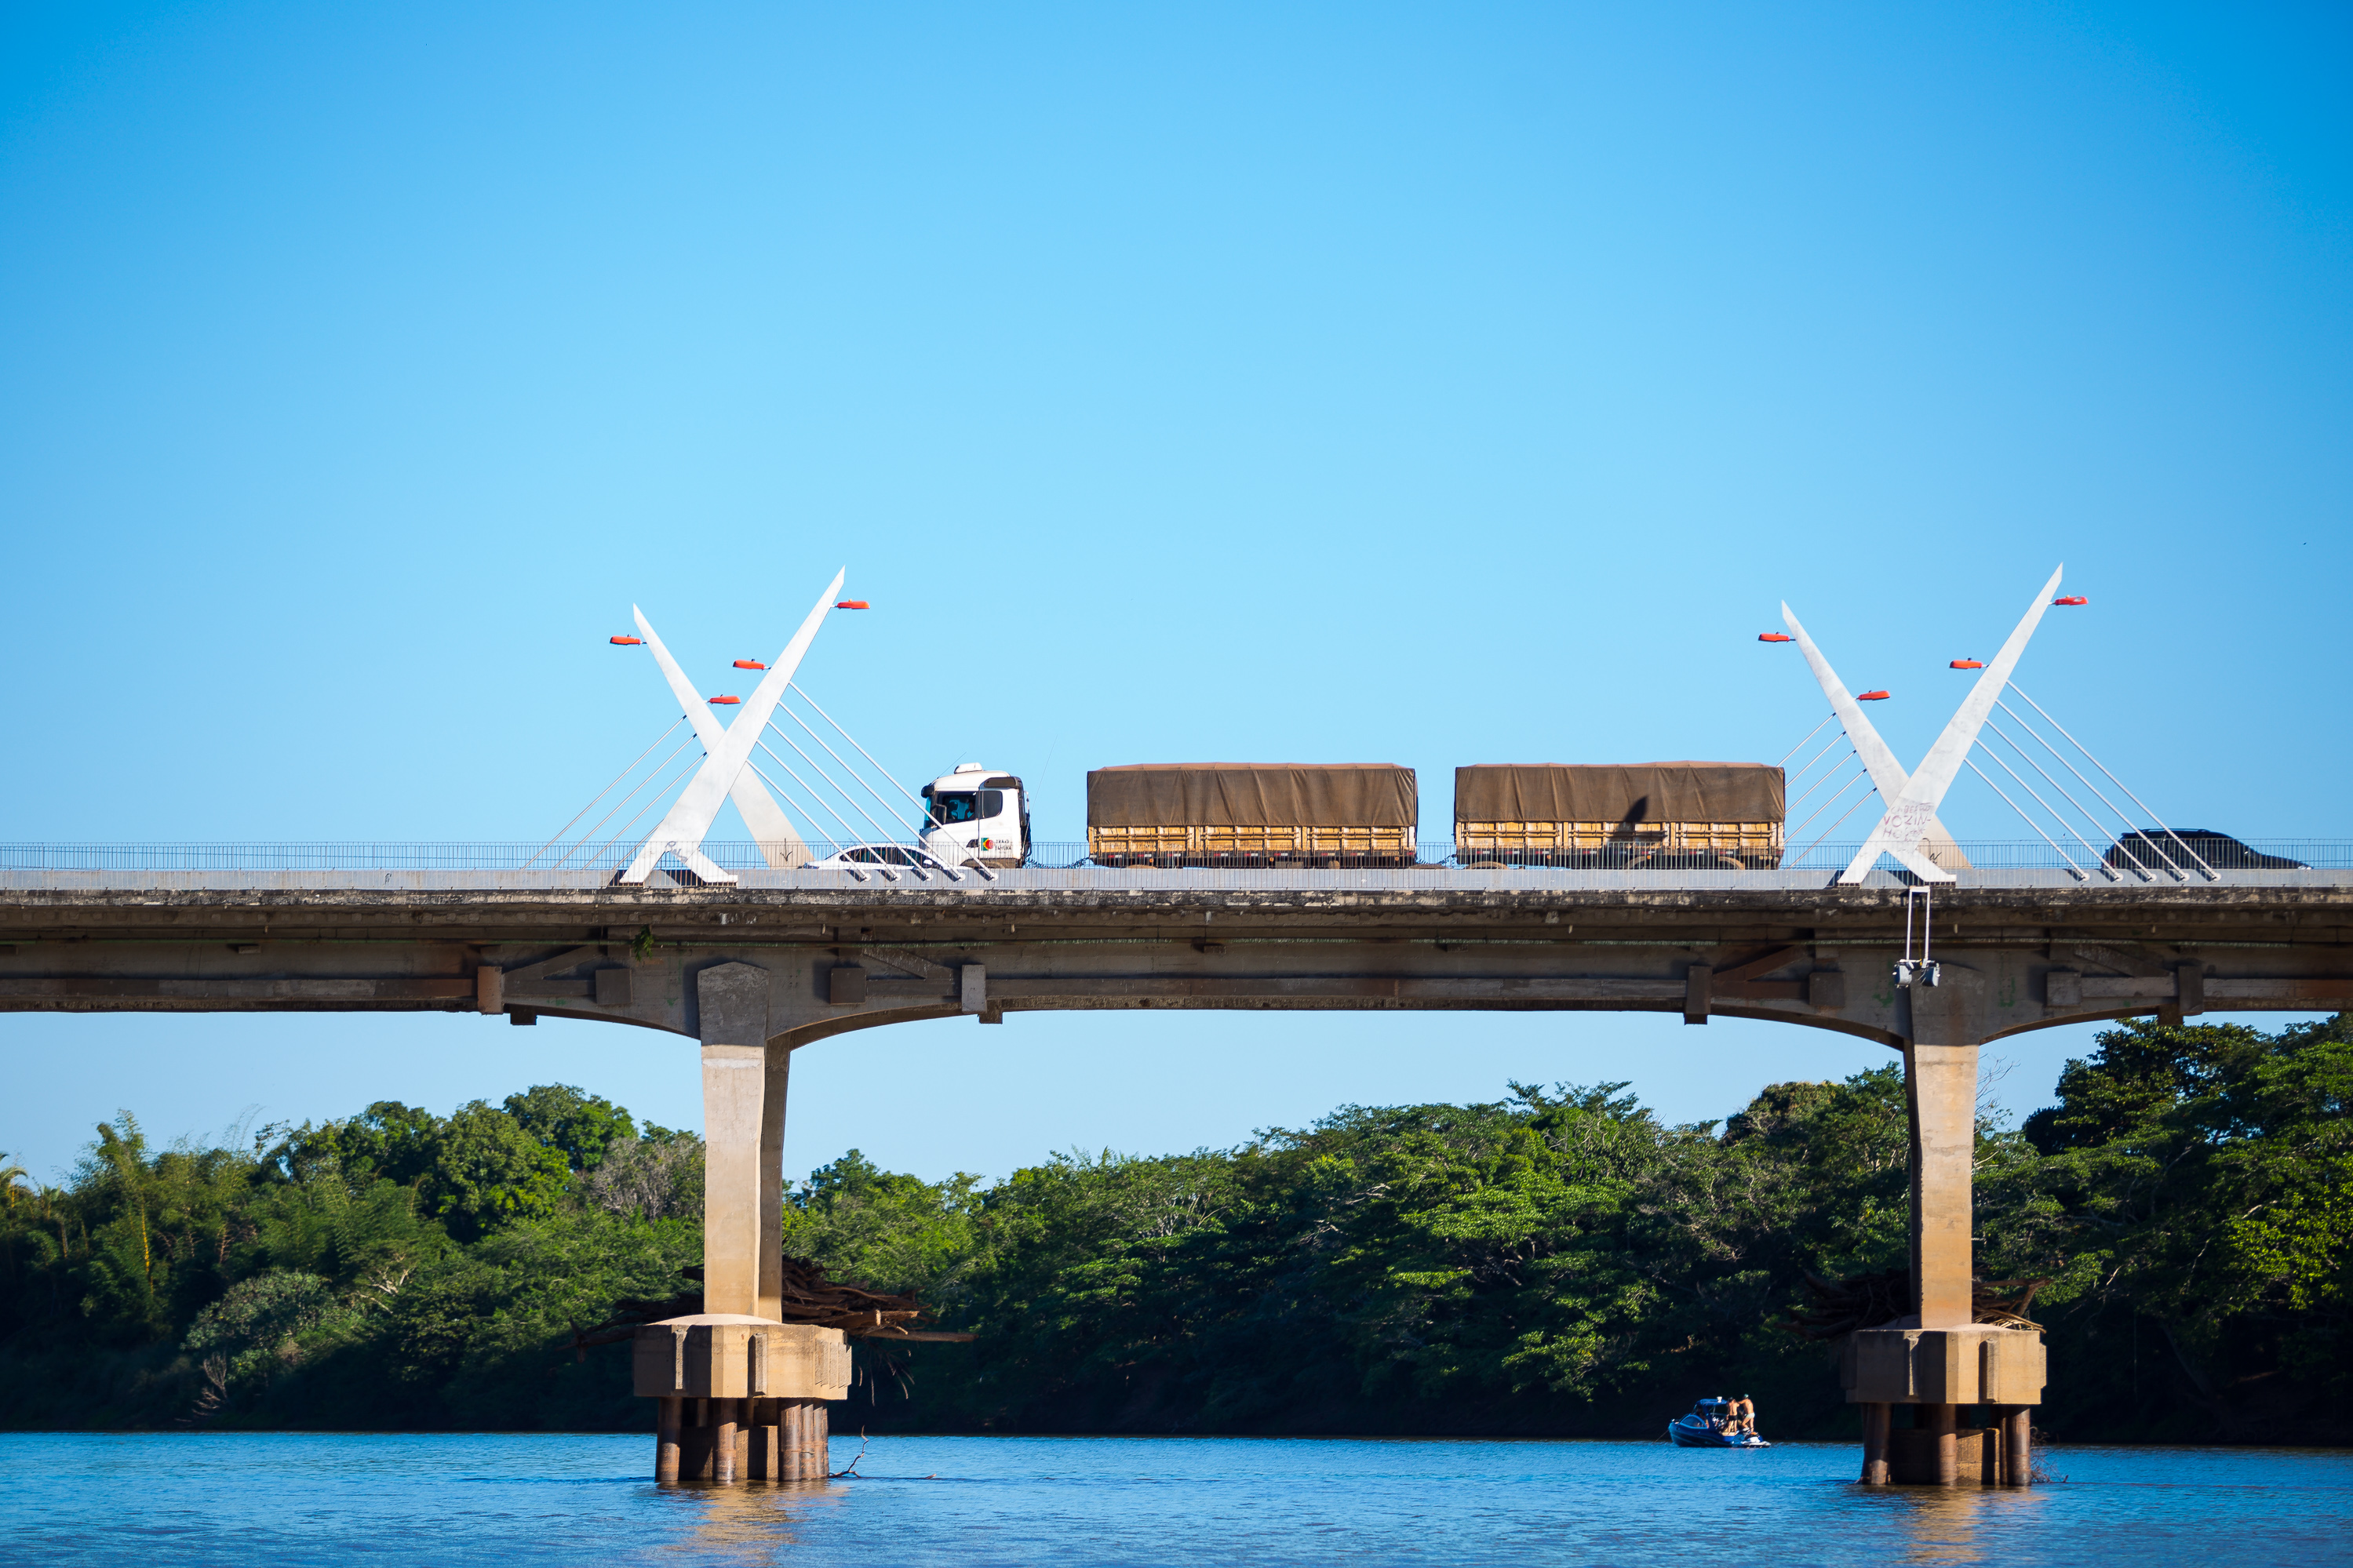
(1556, 1261)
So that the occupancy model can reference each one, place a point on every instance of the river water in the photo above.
(292, 1499)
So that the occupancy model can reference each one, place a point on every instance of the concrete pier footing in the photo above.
(1940, 1373)
(739, 1398)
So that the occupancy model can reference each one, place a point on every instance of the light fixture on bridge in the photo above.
(1921, 970)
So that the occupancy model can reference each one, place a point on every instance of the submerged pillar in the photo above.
(724, 1467)
(2015, 1422)
(1939, 1421)
(666, 1431)
(1876, 1419)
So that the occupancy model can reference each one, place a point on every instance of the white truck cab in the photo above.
(977, 814)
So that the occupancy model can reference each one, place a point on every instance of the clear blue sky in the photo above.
(1432, 384)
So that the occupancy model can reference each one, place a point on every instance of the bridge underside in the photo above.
(754, 974)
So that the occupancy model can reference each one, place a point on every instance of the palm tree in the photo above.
(15, 1182)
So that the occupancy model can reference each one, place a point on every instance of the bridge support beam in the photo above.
(733, 1019)
(777, 1074)
(1940, 1089)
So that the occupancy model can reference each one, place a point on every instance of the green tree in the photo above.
(259, 1324)
(488, 1170)
(571, 1120)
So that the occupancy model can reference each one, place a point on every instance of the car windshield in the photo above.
(862, 857)
(954, 805)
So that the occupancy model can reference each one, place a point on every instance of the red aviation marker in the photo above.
(628, 641)
(723, 701)
(1872, 696)
(1775, 636)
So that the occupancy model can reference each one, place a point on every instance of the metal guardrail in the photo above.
(2319, 854)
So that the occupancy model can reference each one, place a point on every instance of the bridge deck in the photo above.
(1090, 879)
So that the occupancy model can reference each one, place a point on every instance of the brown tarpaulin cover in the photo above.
(1253, 795)
(1619, 792)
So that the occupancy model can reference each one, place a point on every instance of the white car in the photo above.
(863, 860)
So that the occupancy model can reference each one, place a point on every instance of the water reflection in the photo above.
(1959, 1525)
(760, 1521)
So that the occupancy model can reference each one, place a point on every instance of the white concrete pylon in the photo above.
(780, 844)
(683, 829)
(1887, 774)
(1910, 812)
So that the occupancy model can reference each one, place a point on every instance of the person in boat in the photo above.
(1742, 1416)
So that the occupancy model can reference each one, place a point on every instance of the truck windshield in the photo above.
(954, 805)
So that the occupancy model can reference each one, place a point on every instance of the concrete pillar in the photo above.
(733, 1016)
(1942, 1424)
(694, 1441)
(724, 1429)
(763, 1462)
(1876, 1420)
(1940, 1085)
(666, 1423)
(772, 1183)
(794, 1444)
(2016, 1422)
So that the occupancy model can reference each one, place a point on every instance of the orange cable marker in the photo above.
(1968, 664)
(853, 605)
(1870, 696)
(2071, 599)
(749, 664)
(723, 701)
(628, 641)
(1775, 636)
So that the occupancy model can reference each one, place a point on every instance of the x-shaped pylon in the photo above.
(1909, 828)
(725, 773)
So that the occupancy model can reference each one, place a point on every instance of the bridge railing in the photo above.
(2321, 854)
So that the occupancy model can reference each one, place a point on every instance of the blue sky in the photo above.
(1428, 385)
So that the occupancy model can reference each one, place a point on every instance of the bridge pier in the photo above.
(740, 1395)
(1940, 1359)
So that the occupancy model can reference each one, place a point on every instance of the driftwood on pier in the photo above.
(1871, 1301)
(808, 1297)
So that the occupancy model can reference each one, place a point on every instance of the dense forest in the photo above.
(1557, 1261)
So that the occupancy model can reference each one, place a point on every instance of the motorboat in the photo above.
(1705, 1429)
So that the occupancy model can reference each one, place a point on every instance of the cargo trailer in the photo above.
(1253, 813)
(1653, 815)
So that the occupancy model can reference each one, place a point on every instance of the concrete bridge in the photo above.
(781, 960)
